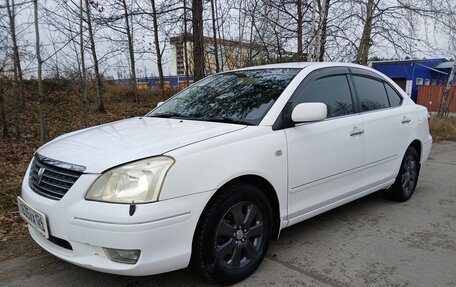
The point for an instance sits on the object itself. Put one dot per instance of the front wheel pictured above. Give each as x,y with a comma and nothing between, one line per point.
404,186
233,234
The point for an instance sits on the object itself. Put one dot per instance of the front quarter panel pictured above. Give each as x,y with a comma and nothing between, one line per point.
210,164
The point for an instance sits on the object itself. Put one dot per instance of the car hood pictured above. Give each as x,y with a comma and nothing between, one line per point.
103,147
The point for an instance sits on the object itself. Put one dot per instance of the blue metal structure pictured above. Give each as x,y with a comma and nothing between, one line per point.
170,81
410,74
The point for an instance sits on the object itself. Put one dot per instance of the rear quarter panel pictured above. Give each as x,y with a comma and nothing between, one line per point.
422,132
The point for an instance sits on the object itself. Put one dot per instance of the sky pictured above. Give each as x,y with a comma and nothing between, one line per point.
117,64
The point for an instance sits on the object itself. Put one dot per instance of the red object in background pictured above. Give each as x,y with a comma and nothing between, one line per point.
429,96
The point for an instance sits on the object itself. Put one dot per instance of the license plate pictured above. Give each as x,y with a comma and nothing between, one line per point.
33,217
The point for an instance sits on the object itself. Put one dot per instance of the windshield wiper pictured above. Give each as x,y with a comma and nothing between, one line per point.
197,118
225,120
167,115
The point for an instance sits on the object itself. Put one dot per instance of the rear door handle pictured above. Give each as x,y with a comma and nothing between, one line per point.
405,120
356,132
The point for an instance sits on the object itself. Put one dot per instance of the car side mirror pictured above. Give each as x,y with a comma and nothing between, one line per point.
159,104
309,112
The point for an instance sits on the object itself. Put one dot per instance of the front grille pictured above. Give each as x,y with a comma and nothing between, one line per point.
52,178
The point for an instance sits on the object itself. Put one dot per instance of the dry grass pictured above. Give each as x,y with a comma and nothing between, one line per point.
63,113
443,128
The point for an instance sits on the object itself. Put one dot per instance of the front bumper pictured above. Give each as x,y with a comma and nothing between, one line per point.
163,230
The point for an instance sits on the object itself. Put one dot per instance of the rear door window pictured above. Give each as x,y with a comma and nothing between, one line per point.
394,98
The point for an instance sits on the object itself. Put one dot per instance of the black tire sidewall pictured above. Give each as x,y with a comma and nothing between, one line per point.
224,202
397,192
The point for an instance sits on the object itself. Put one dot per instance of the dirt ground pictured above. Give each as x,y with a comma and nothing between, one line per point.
369,242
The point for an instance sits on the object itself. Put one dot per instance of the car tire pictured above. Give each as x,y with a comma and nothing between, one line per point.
233,234
407,178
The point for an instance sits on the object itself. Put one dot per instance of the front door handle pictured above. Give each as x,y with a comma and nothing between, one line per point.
356,132
405,120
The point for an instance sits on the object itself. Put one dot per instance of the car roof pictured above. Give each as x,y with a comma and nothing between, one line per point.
296,65
302,65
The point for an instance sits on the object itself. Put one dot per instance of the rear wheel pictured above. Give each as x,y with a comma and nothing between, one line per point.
405,184
233,234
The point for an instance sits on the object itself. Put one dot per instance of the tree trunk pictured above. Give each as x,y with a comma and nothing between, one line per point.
214,31
98,86
365,43
323,27
198,40
131,51
83,67
241,31
313,33
446,93
157,45
219,33
185,43
40,70
252,21
299,30
17,57
18,100
2,110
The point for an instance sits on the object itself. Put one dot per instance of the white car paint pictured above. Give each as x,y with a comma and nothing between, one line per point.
130,139
312,168
340,163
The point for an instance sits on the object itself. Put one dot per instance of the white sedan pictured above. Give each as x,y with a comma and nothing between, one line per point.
210,176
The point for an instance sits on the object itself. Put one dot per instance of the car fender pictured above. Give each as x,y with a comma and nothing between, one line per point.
208,165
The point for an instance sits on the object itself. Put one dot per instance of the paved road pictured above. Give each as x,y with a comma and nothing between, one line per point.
369,242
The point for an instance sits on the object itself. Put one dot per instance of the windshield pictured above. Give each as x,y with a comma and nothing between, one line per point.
242,97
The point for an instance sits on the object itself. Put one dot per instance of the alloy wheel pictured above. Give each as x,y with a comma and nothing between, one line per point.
239,235
409,174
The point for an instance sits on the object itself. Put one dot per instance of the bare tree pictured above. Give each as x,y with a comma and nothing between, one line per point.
99,84
313,33
446,93
40,72
3,80
282,30
18,85
85,96
198,40
2,110
393,26
299,53
66,19
3,83
279,26
322,30
366,41
131,49
157,43
185,43
214,37
448,22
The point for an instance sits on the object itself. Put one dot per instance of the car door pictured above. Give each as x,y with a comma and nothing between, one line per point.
325,158
387,128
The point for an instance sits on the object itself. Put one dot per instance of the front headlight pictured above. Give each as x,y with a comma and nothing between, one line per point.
139,181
